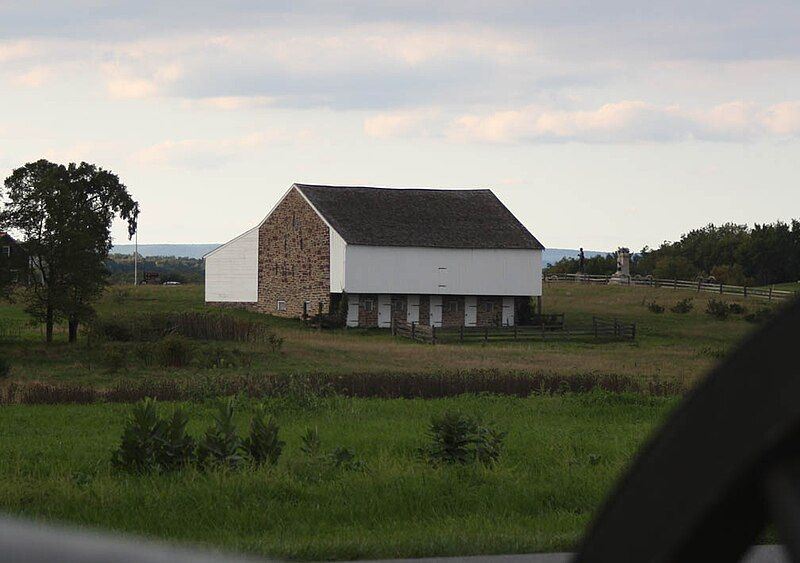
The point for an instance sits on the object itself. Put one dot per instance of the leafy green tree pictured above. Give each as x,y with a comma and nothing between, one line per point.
64,214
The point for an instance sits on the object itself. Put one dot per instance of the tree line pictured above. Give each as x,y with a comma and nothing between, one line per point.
169,268
731,253
63,216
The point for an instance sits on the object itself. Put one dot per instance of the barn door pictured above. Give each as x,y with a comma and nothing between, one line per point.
412,309
470,310
352,310
384,311
508,311
435,303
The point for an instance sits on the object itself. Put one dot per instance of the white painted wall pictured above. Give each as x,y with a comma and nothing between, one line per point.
232,270
338,249
387,269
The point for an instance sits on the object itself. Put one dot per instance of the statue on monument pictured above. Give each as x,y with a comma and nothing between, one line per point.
623,273
581,262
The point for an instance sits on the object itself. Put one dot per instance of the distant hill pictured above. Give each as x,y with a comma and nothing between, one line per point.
551,255
177,250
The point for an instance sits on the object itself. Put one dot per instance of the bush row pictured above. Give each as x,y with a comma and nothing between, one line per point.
152,327
307,389
152,443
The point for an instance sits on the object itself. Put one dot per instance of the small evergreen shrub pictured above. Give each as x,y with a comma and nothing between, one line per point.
654,307
151,443
221,444
263,445
459,439
717,309
683,306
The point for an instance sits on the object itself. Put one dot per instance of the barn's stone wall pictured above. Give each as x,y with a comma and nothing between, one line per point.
293,259
490,311
424,310
452,310
367,318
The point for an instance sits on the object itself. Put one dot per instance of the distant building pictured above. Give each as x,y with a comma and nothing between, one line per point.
13,261
436,257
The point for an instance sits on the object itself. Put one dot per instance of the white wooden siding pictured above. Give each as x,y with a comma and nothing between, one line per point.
431,271
338,248
232,270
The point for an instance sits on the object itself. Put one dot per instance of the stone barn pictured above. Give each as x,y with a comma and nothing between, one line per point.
435,257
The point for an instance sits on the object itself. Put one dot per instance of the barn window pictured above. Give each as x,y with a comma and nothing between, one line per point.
281,305
368,305
452,306
488,307
295,221
301,243
400,305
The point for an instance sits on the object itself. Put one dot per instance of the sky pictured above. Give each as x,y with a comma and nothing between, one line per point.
598,123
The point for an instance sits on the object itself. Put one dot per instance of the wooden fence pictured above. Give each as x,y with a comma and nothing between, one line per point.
10,329
768,293
600,329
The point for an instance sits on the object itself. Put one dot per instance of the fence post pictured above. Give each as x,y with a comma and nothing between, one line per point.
413,330
698,285
770,293
515,332
461,333
720,288
486,334
433,334
633,331
745,291
675,286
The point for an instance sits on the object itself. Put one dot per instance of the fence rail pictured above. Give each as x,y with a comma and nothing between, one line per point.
768,293
599,329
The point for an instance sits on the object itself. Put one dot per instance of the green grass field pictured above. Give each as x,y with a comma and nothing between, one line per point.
562,455
563,452
669,345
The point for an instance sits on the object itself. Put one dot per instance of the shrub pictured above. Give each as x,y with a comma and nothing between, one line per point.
263,444
736,309
221,444
5,368
762,315
275,342
346,460
717,309
683,306
654,307
175,351
150,443
311,443
460,439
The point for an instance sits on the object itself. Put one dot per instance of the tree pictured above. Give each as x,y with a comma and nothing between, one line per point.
64,214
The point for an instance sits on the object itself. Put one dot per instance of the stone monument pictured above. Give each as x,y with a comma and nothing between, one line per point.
623,273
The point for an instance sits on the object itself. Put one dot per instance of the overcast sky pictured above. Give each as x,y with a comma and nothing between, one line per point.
599,124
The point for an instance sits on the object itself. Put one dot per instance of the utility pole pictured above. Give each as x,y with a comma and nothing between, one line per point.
136,259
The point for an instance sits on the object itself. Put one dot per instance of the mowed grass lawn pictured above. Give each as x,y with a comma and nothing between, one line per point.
675,346
562,455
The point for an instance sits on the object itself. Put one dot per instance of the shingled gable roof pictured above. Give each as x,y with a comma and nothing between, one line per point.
419,217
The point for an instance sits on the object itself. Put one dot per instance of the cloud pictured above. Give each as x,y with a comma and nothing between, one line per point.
211,153
399,124
32,78
630,121
15,50
122,82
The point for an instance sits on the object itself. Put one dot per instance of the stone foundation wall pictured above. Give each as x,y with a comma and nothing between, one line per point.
452,310
490,311
367,318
